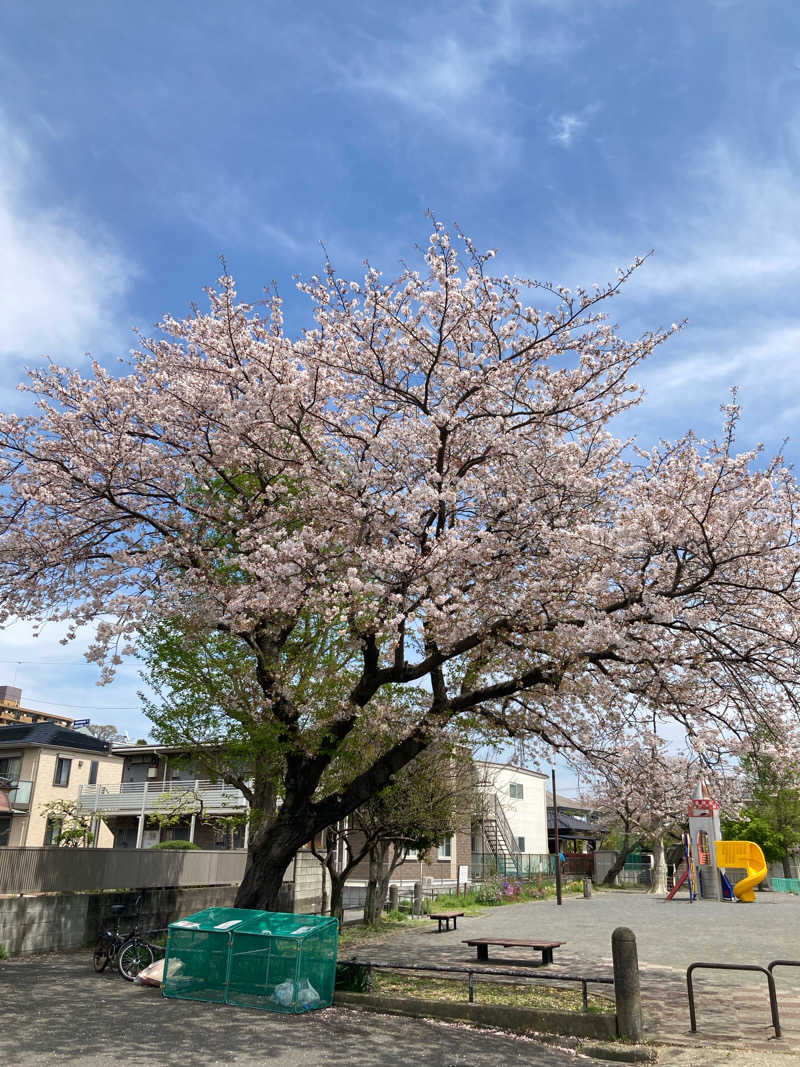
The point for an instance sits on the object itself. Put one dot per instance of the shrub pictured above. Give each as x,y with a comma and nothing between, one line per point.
182,845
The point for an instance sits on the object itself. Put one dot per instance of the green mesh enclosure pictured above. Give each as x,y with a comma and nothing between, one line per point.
256,959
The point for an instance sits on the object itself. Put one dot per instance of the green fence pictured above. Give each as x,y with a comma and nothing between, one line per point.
786,885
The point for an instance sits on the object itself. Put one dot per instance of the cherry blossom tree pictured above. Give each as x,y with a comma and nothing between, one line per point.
430,471
647,785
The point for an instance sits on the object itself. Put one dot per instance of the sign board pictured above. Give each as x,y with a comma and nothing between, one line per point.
463,875
80,722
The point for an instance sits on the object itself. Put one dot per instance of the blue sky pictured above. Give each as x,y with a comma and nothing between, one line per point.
141,142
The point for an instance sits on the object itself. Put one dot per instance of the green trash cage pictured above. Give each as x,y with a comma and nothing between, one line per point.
255,959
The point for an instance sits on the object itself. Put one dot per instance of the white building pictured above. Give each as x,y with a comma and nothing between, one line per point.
514,805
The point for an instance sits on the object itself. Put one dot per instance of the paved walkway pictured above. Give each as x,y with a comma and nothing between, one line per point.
732,1008
56,1010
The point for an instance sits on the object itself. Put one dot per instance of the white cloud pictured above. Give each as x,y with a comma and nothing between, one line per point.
64,279
458,80
565,128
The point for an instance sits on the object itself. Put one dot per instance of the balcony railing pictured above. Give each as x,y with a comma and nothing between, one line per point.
142,798
20,795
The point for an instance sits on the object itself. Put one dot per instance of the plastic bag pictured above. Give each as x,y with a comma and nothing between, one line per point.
307,996
284,993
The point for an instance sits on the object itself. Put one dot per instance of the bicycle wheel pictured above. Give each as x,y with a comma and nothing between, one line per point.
101,955
133,957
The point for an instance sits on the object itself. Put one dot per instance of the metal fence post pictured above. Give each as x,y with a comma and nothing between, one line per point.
627,993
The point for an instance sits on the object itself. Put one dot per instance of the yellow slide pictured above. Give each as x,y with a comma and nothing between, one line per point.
743,854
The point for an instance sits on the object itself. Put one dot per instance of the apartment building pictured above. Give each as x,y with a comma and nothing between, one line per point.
44,762
157,780
12,713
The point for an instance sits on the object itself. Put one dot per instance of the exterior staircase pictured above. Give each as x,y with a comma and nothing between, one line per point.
497,835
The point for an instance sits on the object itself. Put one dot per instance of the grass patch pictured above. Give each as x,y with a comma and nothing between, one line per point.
509,994
362,933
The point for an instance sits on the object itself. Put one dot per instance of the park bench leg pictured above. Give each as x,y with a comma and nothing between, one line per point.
455,923
547,956
483,953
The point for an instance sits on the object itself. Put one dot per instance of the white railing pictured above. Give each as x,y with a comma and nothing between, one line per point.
20,795
141,798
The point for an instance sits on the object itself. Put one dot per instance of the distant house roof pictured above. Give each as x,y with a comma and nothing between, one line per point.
510,767
566,802
49,735
569,826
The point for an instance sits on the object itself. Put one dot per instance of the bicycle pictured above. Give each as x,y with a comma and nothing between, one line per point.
130,952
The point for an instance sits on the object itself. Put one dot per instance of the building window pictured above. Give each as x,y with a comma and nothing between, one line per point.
52,831
93,772
521,844
515,790
10,767
5,829
446,848
63,767
412,854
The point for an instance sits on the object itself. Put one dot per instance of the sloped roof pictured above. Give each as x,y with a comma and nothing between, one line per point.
52,736
572,827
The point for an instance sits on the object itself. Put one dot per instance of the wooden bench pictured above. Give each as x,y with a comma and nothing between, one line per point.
545,947
445,917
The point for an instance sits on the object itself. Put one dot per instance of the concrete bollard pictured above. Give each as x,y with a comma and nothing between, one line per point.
627,994
394,897
418,898
587,888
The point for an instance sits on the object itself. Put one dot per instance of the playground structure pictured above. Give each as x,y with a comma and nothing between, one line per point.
706,857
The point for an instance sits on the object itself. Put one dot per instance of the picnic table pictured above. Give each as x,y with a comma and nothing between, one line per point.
545,947
445,917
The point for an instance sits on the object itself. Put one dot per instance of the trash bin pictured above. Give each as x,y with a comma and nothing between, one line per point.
256,959
283,962
198,954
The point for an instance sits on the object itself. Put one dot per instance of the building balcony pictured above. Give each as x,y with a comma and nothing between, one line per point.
19,796
145,798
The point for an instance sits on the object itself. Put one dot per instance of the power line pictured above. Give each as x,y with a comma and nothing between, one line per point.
82,707
48,662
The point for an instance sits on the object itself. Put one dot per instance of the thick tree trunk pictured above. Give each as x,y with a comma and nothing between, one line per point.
659,879
628,845
269,856
787,865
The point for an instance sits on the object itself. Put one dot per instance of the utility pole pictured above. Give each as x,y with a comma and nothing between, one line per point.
557,842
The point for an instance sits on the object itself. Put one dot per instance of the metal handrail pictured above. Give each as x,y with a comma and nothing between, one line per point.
496,815
472,971
773,999
782,963
509,840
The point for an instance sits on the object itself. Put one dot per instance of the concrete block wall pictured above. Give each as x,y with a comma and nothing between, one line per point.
52,923
307,884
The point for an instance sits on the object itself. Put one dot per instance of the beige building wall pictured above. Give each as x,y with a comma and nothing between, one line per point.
39,766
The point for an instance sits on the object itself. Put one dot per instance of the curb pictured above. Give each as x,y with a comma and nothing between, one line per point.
620,1053
595,1027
